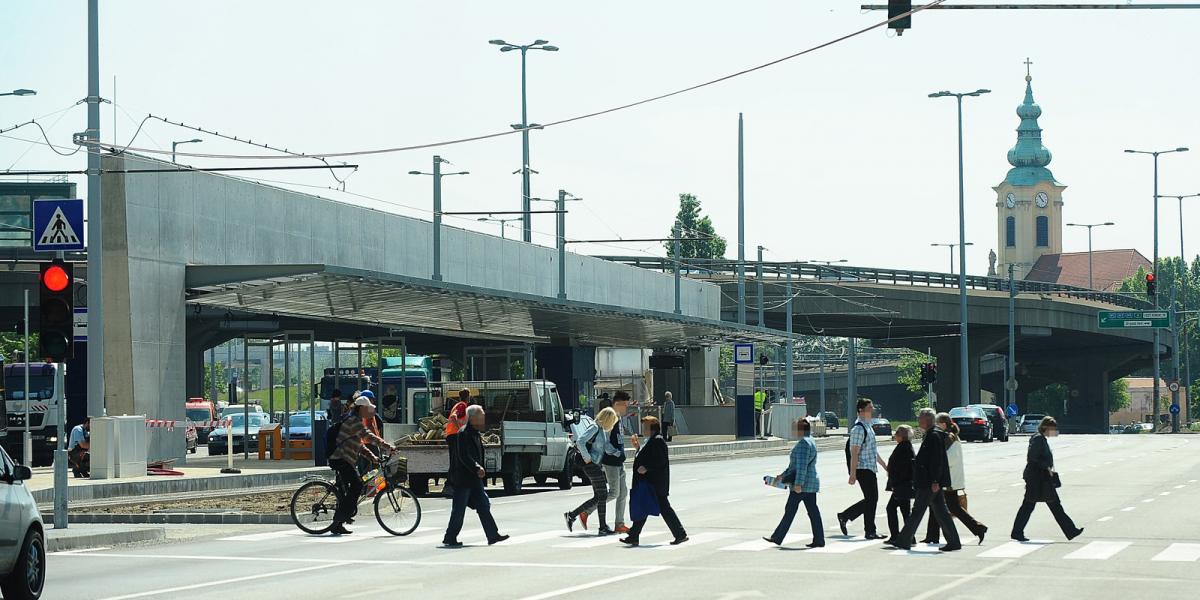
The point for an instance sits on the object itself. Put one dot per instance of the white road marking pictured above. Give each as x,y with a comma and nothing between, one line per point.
939,591
1014,549
1128,508
1018,484
760,545
78,551
991,491
270,535
593,541
1103,519
1098,551
1179,553
1148,500
534,537
435,539
1165,494
695,540
919,550
731,501
845,546
689,480
1181,486
195,586
598,583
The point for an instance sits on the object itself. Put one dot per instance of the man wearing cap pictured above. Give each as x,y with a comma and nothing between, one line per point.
348,450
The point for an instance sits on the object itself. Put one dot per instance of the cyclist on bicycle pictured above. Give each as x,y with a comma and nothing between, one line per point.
350,446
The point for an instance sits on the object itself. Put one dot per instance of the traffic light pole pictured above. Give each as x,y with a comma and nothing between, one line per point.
27,439
61,493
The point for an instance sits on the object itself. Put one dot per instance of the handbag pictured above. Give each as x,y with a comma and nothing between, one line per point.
962,500
643,502
1055,480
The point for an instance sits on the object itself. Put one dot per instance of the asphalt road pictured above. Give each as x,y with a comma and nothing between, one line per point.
1136,495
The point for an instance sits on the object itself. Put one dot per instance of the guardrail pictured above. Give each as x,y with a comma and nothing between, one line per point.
700,268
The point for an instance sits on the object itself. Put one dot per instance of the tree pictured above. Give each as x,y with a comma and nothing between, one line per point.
909,375
1118,395
12,344
690,223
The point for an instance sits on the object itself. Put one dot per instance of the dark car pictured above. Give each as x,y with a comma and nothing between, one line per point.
882,427
972,424
831,419
999,421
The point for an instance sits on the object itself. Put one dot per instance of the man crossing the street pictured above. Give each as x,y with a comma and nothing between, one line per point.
864,462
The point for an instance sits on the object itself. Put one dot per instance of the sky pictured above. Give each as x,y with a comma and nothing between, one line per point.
846,156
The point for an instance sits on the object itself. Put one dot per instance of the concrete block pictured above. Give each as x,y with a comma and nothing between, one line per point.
142,228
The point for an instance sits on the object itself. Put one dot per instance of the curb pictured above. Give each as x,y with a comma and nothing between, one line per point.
182,518
122,489
60,543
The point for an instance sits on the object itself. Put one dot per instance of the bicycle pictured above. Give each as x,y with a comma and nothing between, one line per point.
396,508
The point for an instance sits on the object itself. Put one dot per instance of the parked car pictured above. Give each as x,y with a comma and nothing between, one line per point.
1029,423
200,410
299,425
190,437
831,419
972,423
22,542
882,427
218,440
238,409
999,421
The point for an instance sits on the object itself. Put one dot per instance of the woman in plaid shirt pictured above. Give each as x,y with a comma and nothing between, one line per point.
802,475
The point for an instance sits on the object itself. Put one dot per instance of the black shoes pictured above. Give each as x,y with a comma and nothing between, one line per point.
339,529
981,534
451,544
948,548
873,536
603,531
630,541
498,539
769,540
1078,532
930,541
679,540
1021,538
842,524
570,521
815,545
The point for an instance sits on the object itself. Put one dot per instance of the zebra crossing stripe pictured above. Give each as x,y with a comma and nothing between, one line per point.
260,537
697,539
845,546
594,541
1015,549
1098,551
1179,553
760,545
534,537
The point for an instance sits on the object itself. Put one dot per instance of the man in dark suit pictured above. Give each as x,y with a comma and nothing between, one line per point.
467,474
653,466
931,473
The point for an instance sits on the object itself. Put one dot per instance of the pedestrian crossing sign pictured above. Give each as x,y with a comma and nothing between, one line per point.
58,225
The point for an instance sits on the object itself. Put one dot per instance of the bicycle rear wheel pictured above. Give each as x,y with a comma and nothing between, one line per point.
313,507
397,511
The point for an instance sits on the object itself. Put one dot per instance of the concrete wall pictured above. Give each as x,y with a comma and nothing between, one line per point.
156,224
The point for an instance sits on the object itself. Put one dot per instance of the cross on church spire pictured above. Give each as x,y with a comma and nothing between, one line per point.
1028,63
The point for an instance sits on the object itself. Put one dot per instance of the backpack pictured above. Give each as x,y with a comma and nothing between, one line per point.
849,467
582,425
331,437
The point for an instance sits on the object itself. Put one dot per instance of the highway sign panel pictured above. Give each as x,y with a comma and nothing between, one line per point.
57,225
1138,319
743,354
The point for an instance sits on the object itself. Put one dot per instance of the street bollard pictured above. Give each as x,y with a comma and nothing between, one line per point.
229,448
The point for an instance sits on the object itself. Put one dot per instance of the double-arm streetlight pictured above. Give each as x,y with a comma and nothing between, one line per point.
1183,277
1154,268
503,223
437,175
524,126
179,142
963,356
952,247
1089,226
828,262
20,92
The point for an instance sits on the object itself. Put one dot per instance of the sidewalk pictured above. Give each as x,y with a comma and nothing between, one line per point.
78,537
200,474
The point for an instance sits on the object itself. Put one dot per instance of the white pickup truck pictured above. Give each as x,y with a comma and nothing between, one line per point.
527,415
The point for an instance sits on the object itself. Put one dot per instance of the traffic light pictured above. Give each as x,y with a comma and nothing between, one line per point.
56,311
928,373
897,8
1151,285
763,360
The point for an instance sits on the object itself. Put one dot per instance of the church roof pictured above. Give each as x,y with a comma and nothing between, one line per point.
1029,157
1109,268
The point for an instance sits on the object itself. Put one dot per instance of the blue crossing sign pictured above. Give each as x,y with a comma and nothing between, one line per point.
1174,409
58,225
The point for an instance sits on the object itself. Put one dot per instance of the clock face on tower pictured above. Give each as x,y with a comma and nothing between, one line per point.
1042,199
1011,201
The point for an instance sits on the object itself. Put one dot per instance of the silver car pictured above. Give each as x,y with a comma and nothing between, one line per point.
1029,423
22,542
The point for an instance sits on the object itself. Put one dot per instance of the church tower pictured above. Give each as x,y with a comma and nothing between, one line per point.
1029,200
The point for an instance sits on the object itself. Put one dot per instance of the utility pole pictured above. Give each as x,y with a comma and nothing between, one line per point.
437,175
759,275
95,214
1010,383
675,252
821,373
741,266
851,381
789,366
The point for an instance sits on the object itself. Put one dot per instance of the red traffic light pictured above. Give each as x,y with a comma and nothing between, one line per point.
56,279
1149,277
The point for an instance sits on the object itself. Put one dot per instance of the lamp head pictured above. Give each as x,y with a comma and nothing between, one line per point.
498,42
414,172
24,92
550,48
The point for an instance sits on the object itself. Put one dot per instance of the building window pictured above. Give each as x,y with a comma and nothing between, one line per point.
1043,232
1010,232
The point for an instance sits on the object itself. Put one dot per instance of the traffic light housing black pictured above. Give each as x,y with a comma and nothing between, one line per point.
1151,285
763,360
56,311
897,8
928,373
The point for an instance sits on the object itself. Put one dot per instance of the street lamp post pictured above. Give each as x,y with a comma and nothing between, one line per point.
759,273
963,355
503,223
952,247
437,175
1187,365
1154,268
20,92
177,143
524,126
1010,383
1092,286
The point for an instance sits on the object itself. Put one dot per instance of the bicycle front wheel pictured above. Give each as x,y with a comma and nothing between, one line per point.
397,511
313,507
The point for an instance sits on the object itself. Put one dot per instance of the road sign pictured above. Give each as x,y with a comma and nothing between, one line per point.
1174,409
1011,385
80,324
1173,386
743,354
1136,319
58,225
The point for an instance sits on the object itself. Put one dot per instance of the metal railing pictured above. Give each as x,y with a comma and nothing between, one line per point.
714,268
